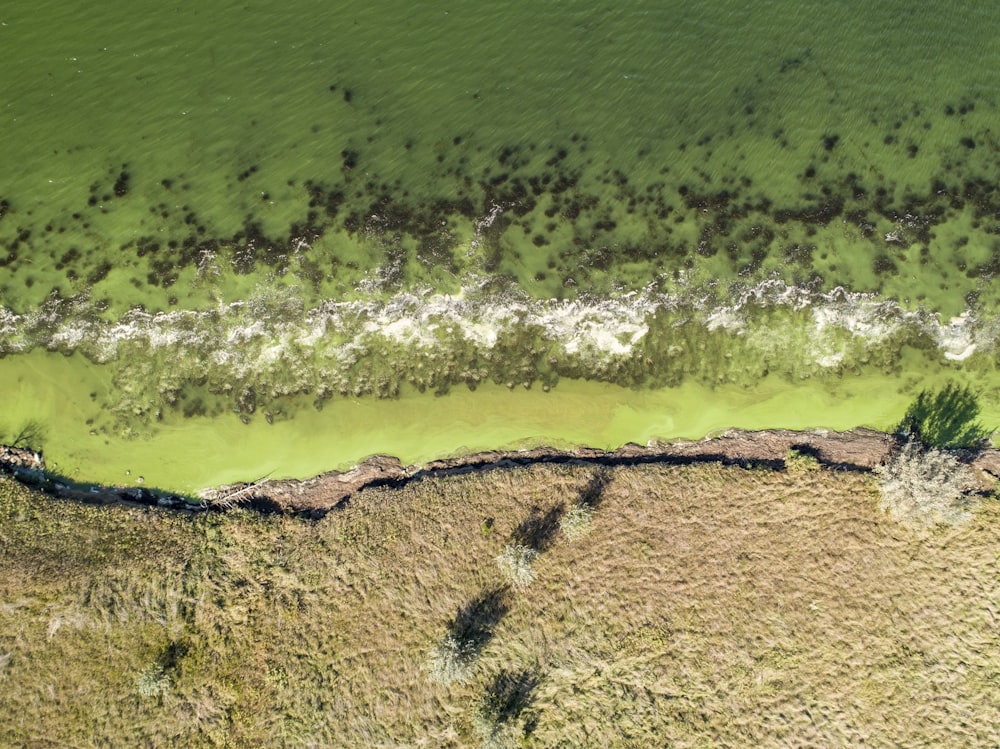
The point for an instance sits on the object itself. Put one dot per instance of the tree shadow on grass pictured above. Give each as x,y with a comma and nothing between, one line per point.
31,436
593,492
538,530
945,419
476,621
508,696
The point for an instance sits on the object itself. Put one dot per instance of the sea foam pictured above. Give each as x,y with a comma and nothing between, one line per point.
272,345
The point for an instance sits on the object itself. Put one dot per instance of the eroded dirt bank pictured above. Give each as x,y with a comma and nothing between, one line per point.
857,449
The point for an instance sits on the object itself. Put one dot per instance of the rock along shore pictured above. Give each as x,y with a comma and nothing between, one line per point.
856,449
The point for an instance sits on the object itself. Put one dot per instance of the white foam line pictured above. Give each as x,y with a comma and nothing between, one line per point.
262,330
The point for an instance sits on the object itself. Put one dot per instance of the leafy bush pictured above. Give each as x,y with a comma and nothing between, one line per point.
923,487
575,523
152,682
515,564
798,462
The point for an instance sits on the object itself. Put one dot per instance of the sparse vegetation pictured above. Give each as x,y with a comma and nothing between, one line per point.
717,606
515,563
923,487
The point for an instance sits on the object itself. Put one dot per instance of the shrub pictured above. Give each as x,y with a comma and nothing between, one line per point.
496,735
576,522
797,462
455,655
152,682
515,564
923,487
451,660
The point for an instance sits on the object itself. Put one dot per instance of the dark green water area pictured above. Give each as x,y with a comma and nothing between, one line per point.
240,239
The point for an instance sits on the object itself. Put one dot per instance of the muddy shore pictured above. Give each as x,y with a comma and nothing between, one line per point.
855,450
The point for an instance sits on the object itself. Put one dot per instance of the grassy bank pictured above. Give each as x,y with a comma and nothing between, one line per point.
705,606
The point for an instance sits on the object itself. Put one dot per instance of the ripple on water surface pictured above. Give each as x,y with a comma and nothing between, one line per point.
254,213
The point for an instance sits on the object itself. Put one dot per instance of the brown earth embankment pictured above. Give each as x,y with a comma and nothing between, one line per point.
856,449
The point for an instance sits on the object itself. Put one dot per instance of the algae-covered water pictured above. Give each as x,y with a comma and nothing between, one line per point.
250,239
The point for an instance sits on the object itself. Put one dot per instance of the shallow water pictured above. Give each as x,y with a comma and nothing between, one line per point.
195,453
246,213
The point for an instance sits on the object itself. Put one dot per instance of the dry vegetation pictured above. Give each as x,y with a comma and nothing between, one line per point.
707,606
923,487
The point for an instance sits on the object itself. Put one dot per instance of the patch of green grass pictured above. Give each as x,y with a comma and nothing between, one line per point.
797,462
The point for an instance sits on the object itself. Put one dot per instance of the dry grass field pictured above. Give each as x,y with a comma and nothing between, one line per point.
702,606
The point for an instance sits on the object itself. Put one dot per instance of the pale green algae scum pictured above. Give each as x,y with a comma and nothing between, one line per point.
612,223
199,453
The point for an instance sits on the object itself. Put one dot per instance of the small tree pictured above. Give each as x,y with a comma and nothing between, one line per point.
923,487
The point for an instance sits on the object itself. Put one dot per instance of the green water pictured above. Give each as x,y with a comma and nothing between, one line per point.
278,215
187,455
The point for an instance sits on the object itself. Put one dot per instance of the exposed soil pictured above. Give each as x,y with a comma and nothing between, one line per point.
859,449
855,450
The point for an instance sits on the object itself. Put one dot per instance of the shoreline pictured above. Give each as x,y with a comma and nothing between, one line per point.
859,449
